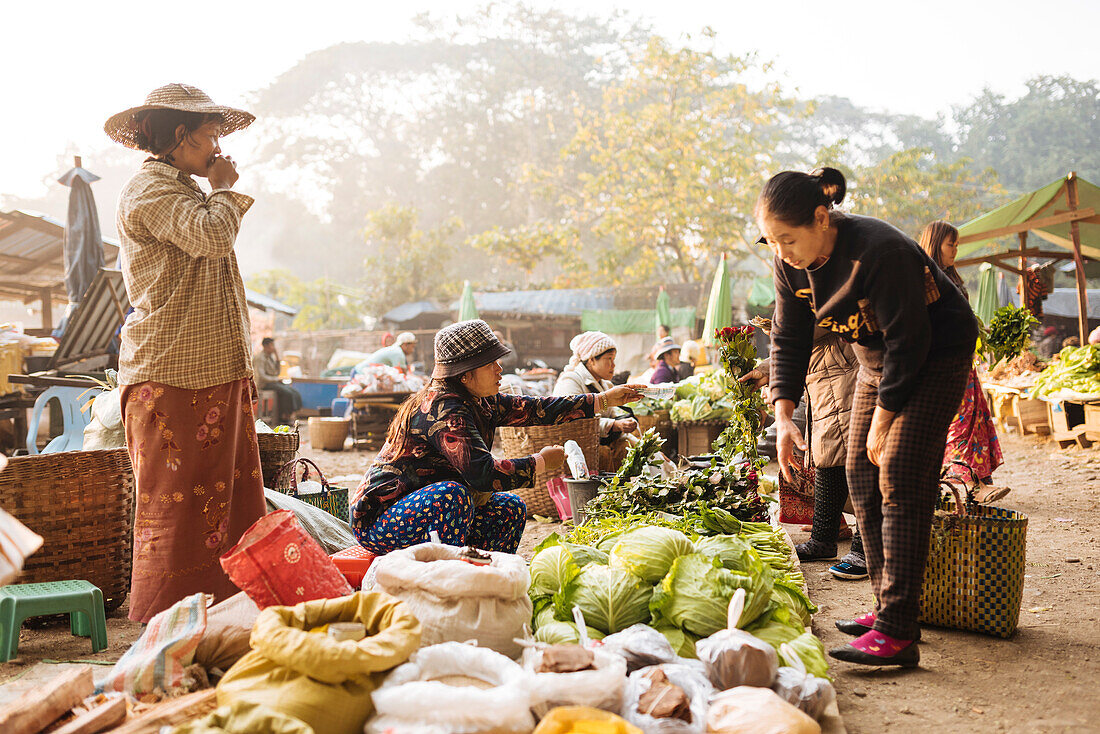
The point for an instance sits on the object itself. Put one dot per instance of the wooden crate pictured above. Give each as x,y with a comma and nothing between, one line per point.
1067,423
1030,416
1092,421
696,437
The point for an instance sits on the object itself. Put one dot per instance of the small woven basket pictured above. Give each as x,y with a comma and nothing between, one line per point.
276,449
328,434
81,503
517,442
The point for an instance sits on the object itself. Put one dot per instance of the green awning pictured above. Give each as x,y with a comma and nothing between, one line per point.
634,321
1041,204
762,292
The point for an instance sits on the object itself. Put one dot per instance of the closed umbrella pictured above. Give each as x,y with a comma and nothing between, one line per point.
987,301
467,309
664,309
720,305
83,238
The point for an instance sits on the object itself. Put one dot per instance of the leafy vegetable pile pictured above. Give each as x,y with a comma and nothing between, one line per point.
1077,369
678,582
1009,333
705,397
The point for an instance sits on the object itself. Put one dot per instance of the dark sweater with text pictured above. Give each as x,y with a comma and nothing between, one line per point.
879,290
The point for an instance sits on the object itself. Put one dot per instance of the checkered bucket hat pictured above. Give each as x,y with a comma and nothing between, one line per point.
465,346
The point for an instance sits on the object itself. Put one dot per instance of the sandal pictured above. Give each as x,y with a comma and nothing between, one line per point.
990,493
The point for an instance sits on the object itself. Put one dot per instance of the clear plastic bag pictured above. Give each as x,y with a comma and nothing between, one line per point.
601,688
794,685
748,710
641,646
694,683
574,457
456,688
734,657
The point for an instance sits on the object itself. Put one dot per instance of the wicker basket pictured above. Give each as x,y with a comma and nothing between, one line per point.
277,449
81,503
328,434
517,442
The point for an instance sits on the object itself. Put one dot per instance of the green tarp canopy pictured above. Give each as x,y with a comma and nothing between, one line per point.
1044,212
634,321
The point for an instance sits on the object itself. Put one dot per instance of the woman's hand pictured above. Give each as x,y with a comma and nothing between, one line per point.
621,395
787,436
876,436
553,457
222,173
626,425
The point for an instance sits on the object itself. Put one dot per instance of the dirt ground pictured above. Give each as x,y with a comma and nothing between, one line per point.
1044,679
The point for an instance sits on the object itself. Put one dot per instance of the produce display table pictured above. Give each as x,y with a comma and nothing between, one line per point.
1074,420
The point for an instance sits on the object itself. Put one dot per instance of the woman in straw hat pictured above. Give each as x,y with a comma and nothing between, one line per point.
436,472
590,370
185,360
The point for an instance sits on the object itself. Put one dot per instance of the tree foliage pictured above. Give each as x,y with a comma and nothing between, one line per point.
407,263
321,303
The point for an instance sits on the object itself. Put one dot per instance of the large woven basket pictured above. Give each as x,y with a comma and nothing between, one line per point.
81,503
276,449
517,442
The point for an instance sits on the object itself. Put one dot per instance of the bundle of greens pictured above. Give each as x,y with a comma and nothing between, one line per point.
638,457
1009,333
1076,369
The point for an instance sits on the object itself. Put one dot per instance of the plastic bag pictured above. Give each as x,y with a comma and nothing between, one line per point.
456,601
574,457
734,657
601,688
228,628
326,683
641,646
695,685
584,720
748,710
17,542
454,688
798,688
105,429
277,563
165,648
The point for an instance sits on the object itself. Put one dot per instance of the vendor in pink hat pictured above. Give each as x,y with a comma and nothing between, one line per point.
590,370
436,470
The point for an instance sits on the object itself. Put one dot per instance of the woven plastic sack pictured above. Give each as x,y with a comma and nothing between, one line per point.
453,688
580,719
165,648
244,718
310,676
228,629
747,710
277,563
456,601
601,688
690,678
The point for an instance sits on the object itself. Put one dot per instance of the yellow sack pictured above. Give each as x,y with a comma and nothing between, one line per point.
313,678
583,720
244,718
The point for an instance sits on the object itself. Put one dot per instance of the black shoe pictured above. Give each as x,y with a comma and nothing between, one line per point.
815,550
907,658
855,629
848,571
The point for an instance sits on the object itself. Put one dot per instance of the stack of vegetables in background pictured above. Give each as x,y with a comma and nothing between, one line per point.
1009,334
1077,369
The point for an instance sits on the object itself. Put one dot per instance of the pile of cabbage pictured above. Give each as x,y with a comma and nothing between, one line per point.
679,585
705,397
1077,369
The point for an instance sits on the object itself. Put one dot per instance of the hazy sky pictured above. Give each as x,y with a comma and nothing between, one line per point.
67,66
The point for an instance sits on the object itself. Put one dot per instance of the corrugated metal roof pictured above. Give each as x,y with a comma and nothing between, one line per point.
550,303
32,255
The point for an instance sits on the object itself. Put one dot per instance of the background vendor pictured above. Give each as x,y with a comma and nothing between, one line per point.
667,354
590,370
399,354
436,470
266,367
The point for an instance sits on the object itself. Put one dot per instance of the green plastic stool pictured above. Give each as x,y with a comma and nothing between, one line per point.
81,600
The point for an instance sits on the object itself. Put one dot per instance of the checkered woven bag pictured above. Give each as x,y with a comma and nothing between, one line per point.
974,579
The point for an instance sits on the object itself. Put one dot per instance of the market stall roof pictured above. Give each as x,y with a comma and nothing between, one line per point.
409,311
264,303
1045,212
563,303
32,261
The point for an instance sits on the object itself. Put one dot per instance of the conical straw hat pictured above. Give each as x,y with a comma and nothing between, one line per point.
122,127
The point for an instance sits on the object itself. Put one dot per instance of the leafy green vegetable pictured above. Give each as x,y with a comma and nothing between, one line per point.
1077,369
564,633
1009,333
791,596
551,569
648,552
732,552
683,643
696,592
544,612
638,457
611,599
812,653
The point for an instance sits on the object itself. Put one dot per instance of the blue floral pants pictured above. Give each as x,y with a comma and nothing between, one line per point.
448,508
